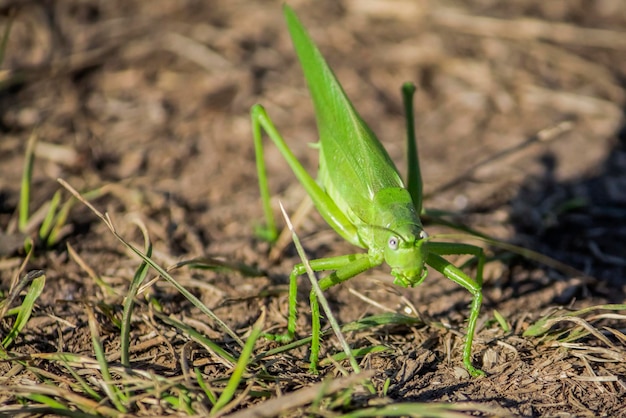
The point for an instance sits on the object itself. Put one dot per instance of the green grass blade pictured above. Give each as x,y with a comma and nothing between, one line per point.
82,383
46,224
501,321
27,177
356,353
187,294
240,367
387,318
38,279
205,388
46,400
5,36
59,221
109,386
129,303
198,337
284,348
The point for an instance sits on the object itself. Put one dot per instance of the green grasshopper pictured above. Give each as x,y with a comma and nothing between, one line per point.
360,194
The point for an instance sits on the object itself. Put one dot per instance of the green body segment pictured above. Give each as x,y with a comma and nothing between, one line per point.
360,194
353,165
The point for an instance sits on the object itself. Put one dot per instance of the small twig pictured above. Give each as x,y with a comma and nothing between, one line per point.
370,301
543,136
196,52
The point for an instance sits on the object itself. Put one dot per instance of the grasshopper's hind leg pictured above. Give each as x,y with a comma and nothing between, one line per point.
324,204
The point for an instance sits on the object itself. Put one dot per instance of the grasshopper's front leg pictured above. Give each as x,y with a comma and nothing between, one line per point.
436,250
346,267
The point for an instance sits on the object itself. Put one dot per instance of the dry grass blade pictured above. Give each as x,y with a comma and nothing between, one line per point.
240,368
544,324
320,294
87,406
529,30
27,176
516,249
219,263
282,404
196,52
90,271
431,410
506,156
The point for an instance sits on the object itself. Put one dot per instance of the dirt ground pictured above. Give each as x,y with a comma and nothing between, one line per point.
520,123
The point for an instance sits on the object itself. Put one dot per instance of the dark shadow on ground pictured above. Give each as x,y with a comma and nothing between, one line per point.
579,222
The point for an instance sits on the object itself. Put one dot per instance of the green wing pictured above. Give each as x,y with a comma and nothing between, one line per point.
354,166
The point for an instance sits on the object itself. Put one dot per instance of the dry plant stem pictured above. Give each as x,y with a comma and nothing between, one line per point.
282,404
320,294
17,284
284,239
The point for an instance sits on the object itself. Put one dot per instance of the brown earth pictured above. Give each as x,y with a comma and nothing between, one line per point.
520,125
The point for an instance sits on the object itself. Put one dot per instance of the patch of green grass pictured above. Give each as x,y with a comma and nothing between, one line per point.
51,216
33,283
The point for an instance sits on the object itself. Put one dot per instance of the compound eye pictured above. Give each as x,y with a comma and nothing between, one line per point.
393,243
423,235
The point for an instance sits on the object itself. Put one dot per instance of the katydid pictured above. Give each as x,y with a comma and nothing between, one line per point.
360,194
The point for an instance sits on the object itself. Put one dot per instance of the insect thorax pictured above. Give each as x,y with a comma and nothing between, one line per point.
391,213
